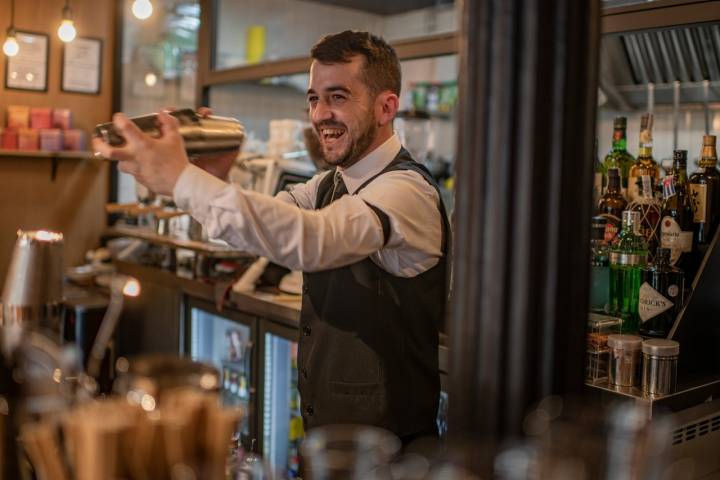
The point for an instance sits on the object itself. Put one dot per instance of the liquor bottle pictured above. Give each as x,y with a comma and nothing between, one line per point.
661,296
650,210
598,177
705,193
628,258
611,205
619,157
599,267
676,226
645,164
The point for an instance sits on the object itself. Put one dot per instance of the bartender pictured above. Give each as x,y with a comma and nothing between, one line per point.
371,236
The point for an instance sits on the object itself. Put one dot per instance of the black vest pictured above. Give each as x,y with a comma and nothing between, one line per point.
368,350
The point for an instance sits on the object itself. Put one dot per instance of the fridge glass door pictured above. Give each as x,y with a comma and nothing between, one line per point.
226,344
282,423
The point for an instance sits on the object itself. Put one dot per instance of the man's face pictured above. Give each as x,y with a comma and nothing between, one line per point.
342,111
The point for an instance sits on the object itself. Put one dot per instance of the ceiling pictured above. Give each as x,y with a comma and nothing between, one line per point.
385,7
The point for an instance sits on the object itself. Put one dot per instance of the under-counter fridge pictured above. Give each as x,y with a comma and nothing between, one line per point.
227,340
278,398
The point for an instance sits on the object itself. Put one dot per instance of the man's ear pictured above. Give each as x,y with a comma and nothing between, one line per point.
386,107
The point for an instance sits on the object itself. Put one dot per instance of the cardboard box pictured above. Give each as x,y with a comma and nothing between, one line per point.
74,140
40,118
51,140
9,139
18,116
28,139
62,118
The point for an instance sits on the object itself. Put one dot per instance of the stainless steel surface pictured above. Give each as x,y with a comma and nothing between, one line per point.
624,359
202,135
661,347
32,294
688,54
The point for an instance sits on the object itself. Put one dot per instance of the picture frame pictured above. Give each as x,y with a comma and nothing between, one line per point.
82,66
28,70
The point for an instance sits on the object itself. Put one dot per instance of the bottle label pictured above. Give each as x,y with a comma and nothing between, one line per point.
612,227
698,195
651,303
617,258
647,192
668,187
674,238
633,190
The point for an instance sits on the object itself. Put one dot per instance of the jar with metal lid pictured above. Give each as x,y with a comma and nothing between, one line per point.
624,359
660,359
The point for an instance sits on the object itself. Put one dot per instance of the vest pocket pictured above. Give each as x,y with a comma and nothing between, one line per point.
352,361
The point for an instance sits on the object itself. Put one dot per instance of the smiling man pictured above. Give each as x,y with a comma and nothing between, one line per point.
371,236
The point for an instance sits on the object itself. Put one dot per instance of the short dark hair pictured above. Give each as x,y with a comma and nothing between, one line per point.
382,67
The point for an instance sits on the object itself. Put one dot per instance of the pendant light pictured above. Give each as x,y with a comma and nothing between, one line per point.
11,47
66,31
142,9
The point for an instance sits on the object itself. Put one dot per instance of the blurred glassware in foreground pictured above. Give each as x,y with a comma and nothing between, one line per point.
32,295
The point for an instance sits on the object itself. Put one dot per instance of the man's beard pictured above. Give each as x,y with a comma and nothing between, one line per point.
357,147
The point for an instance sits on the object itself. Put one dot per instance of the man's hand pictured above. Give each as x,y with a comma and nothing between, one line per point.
155,162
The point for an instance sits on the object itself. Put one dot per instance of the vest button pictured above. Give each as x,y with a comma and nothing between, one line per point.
309,410
307,330
304,373
305,289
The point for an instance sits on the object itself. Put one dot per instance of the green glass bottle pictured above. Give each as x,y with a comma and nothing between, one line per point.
628,258
619,157
661,296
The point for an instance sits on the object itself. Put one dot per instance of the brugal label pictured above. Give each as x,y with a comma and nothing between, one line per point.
651,303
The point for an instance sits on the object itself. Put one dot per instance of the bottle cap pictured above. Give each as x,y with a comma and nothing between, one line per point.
709,140
680,156
660,347
630,217
626,342
662,254
620,122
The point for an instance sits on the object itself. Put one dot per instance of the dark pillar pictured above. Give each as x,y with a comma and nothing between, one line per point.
523,208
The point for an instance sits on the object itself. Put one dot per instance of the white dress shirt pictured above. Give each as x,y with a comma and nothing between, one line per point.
289,231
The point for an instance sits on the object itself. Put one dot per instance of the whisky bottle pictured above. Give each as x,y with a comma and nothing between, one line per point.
628,258
611,205
676,226
661,296
645,164
599,267
650,210
619,157
705,193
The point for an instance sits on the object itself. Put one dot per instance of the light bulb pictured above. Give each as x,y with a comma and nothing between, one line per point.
11,47
150,79
142,9
66,31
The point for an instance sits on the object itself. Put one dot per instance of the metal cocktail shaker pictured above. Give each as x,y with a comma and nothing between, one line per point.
202,135
32,296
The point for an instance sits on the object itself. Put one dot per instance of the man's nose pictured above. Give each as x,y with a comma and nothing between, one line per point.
321,112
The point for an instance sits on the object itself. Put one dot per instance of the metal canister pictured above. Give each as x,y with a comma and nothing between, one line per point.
624,359
202,134
32,295
660,359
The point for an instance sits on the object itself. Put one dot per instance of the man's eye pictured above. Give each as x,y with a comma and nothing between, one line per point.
312,99
338,98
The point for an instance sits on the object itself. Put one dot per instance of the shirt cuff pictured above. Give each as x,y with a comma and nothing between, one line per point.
195,189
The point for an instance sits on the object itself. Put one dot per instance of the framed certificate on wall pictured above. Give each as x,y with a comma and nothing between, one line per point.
28,70
81,66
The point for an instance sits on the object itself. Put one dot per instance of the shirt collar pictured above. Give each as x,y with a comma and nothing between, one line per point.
371,164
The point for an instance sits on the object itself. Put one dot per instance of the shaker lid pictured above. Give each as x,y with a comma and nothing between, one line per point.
661,347
627,342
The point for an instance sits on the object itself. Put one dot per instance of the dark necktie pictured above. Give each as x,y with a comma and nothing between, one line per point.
339,188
